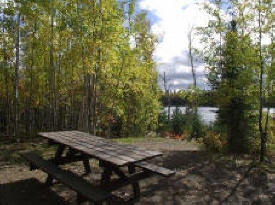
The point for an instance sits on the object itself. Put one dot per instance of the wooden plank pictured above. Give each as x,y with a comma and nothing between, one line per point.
70,179
155,169
129,148
128,154
93,153
103,140
68,159
99,147
96,153
124,155
113,148
132,148
96,147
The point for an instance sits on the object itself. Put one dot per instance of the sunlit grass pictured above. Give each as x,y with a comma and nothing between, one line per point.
10,152
132,140
271,140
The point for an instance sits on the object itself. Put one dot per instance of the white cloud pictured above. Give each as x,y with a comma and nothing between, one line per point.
176,18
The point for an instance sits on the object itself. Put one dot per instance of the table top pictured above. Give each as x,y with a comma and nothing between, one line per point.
101,148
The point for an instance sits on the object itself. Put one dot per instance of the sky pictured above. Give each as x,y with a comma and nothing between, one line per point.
171,22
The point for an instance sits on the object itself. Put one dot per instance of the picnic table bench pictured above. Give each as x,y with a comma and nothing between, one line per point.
76,146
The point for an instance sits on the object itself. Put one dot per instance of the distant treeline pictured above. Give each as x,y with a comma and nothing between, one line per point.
206,98
174,99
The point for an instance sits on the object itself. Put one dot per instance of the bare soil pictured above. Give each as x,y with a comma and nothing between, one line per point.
201,178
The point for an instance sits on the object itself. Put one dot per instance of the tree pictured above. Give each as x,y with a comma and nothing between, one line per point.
263,8
167,91
234,99
77,67
16,74
232,66
190,48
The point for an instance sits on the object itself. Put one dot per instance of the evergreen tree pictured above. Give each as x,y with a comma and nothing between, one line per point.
236,80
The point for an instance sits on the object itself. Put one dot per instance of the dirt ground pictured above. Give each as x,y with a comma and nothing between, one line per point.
201,178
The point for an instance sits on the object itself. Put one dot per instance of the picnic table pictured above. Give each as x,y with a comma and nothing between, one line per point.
76,146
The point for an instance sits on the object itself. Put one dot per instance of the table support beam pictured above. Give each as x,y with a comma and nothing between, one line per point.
119,183
57,156
86,163
107,173
135,185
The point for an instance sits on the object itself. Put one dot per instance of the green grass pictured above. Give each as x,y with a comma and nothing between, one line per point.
132,140
272,147
10,152
271,140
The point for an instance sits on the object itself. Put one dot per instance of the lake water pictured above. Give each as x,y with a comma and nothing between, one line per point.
209,114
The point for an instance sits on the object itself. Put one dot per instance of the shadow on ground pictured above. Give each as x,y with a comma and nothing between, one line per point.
205,179
201,178
28,192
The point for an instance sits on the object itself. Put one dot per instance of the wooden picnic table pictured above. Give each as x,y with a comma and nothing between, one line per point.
112,158
101,148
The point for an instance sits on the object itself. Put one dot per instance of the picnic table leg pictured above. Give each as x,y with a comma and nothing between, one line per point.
57,156
135,185
86,164
85,159
107,173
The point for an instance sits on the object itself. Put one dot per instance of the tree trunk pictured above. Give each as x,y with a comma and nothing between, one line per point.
52,74
16,78
6,77
195,107
191,59
262,134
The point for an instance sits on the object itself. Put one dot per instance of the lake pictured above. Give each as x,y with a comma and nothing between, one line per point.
208,114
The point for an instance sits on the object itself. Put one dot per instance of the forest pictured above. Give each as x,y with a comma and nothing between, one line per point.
76,65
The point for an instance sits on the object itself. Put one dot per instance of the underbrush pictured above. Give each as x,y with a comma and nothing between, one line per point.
189,126
271,136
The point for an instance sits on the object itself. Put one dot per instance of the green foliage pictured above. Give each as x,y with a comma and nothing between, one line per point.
187,124
234,62
235,101
198,128
178,120
163,123
80,69
215,141
192,96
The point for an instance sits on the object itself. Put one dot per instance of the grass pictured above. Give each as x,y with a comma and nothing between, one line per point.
271,144
10,152
132,140
272,147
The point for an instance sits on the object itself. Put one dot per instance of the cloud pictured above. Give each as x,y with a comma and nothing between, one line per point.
175,18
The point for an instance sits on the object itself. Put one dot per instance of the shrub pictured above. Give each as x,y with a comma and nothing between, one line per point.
178,121
198,129
163,123
188,125
215,141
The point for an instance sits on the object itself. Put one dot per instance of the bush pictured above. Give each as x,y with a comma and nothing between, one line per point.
178,121
163,123
214,141
188,124
198,129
